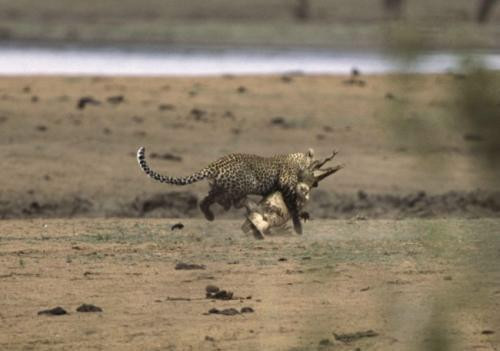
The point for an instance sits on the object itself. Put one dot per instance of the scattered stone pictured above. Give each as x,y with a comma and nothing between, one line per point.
209,338
226,311
87,100
115,100
241,89
349,337
211,289
220,295
365,289
56,311
197,113
247,310
282,259
279,121
177,226
487,332
188,266
41,128
88,308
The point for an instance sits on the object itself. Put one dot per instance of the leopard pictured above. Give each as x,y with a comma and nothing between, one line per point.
235,176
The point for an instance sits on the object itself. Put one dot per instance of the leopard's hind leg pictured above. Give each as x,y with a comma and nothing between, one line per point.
214,195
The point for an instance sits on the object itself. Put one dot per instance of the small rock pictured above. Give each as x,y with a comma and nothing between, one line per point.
188,266
247,310
212,289
241,89
56,311
88,308
279,121
177,226
390,96
220,295
487,332
282,259
34,99
209,338
86,100
226,311
41,128
197,113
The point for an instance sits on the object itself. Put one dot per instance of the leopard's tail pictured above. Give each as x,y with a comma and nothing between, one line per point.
195,177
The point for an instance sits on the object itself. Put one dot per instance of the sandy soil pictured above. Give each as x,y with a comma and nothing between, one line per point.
70,161
415,284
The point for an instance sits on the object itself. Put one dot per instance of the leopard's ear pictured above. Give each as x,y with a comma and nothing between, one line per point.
310,153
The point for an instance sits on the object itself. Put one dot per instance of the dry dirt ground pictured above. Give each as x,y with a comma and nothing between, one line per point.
415,284
405,150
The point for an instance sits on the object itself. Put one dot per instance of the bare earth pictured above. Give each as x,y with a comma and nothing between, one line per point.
415,284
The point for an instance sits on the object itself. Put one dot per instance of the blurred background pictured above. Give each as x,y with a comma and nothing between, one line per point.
458,24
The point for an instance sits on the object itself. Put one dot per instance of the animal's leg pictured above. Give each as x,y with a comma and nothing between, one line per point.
208,201
305,216
225,203
290,199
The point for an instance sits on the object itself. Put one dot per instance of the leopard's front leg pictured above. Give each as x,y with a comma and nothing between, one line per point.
290,198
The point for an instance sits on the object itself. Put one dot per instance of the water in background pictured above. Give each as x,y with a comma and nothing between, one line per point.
16,60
